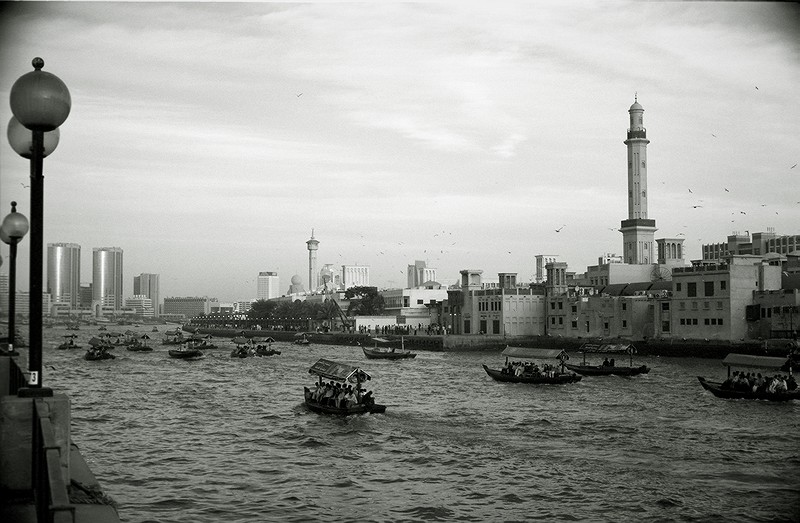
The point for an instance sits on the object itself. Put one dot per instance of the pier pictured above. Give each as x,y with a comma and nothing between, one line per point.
43,475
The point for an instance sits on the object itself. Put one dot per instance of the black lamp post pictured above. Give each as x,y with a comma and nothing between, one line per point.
40,101
14,227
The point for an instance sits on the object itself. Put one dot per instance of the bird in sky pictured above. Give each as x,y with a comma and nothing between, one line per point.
299,95
742,212
559,229
756,88
714,135
726,190
793,166
23,185
696,206
690,191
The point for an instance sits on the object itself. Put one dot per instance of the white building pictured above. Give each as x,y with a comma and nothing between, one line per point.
268,286
355,276
141,304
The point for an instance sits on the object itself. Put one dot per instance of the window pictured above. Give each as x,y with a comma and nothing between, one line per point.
624,306
719,321
483,327
709,288
664,305
574,309
683,321
496,326
466,326
419,302
707,321
723,285
560,305
664,326
694,321
719,305
713,321
678,287
624,324
691,289
574,324
552,321
552,305
560,320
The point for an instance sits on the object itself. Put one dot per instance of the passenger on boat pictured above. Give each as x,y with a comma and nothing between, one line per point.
606,363
611,363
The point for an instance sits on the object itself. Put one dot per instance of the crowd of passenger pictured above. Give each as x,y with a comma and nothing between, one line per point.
526,369
755,382
403,330
333,394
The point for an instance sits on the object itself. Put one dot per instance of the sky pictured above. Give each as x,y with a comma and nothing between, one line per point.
208,140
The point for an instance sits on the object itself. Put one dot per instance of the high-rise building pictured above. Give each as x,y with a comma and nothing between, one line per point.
107,277
148,285
190,306
637,231
64,273
313,280
268,286
141,304
355,276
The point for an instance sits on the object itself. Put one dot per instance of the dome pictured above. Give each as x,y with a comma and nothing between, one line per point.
636,107
296,280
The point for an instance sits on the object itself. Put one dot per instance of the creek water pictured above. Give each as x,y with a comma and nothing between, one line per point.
229,439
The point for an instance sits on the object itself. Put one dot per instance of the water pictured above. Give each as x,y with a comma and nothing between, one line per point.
224,439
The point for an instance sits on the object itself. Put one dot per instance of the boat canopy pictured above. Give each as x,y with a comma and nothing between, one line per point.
302,334
760,362
338,371
268,339
97,342
381,340
240,340
627,348
539,354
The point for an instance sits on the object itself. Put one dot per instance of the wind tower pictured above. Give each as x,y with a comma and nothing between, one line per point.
637,231
313,277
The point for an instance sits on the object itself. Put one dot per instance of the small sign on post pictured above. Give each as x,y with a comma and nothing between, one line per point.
34,378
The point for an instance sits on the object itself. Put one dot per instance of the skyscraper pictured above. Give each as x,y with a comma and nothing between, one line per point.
637,231
268,284
147,285
64,273
107,277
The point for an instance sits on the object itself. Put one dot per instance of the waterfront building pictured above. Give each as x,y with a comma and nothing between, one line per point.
268,285
189,307
710,301
107,278
23,303
86,295
420,273
296,286
416,306
64,273
759,244
141,305
147,284
355,276
313,245
242,307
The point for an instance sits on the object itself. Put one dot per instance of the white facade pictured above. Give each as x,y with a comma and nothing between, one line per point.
268,286
64,273
148,285
541,261
141,304
107,277
355,276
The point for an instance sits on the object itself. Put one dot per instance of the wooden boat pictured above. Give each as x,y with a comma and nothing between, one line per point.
552,376
608,368
341,373
173,338
155,329
385,352
98,353
140,344
187,351
302,338
725,390
69,343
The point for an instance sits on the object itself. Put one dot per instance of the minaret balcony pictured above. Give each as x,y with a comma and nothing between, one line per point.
639,133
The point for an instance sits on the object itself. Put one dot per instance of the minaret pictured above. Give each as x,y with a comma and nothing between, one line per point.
637,231
312,244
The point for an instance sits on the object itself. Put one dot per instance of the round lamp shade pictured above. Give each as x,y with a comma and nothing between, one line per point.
15,226
21,139
40,100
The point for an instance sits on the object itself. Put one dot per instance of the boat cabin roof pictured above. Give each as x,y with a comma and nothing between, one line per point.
538,354
760,362
338,371
627,348
381,340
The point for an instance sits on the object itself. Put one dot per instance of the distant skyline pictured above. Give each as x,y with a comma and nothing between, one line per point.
207,140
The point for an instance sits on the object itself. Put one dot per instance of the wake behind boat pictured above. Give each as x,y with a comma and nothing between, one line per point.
387,352
754,386
338,396
527,372
608,368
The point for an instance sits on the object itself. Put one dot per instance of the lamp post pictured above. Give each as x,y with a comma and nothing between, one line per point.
14,227
40,101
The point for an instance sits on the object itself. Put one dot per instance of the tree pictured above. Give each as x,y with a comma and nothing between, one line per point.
364,301
262,310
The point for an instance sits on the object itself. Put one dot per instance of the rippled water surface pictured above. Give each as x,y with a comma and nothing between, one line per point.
224,439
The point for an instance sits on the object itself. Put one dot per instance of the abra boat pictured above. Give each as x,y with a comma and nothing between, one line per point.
98,352
187,351
139,344
387,353
69,343
608,368
173,337
726,390
344,374
531,373
302,338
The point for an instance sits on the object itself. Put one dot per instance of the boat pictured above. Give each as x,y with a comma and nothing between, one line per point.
727,389
248,347
69,343
98,350
530,373
608,368
341,373
139,344
173,337
187,351
382,351
155,329
302,338
264,347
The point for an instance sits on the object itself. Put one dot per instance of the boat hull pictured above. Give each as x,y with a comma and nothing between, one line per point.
510,378
97,357
327,409
599,370
715,388
191,354
377,354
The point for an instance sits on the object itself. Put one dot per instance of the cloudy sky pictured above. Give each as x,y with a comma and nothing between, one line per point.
207,140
